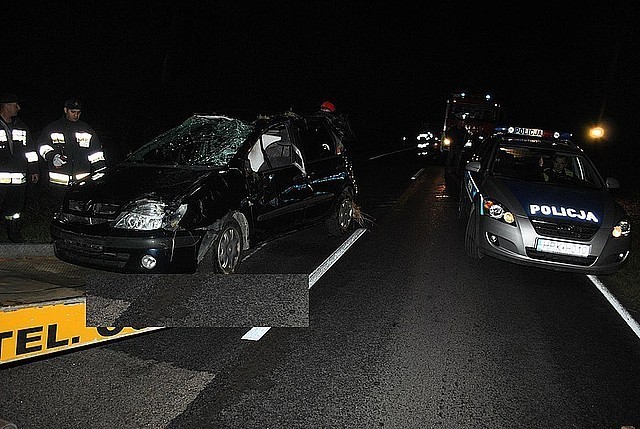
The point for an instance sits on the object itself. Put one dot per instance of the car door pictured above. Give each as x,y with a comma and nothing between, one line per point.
325,167
277,180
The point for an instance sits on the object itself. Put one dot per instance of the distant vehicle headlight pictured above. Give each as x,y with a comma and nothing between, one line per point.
148,215
621,229
496,210
446,142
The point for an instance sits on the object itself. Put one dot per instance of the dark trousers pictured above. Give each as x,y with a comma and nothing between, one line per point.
53,199
12,199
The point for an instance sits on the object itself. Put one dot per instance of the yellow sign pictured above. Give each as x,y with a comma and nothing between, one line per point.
43,328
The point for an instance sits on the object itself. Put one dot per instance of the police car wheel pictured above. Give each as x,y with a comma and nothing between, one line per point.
225,254
471,237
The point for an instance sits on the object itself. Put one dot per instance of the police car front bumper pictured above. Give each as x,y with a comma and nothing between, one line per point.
522,244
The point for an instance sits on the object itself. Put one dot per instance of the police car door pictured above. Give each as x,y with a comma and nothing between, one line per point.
278,183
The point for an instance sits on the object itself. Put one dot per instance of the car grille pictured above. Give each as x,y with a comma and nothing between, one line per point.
79,212
573,260
88,251
85,253
575,231
72,219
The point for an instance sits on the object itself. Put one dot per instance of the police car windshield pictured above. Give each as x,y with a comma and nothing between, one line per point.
545,166
200,141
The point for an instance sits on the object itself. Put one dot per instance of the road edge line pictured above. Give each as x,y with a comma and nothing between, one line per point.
626,316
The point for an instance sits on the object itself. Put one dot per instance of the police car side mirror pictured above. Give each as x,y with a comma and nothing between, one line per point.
473,166
612,183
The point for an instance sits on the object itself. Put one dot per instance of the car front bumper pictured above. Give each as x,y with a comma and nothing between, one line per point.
518,244
173,254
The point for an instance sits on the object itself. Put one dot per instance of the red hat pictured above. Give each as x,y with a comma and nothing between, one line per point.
327,105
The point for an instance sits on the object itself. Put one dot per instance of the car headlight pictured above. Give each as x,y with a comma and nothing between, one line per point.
496,210
148,215
621,229
446,142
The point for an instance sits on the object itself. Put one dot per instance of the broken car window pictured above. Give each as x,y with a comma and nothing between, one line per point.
200,141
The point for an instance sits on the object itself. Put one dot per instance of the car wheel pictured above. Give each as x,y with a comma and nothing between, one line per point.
341,219
225,254
471,237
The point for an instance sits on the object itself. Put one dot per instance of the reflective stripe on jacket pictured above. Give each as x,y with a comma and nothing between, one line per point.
78,143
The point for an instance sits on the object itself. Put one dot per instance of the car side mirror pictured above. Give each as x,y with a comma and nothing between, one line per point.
612,183
473,166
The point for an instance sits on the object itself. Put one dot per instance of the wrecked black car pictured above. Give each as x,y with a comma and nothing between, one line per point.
197,196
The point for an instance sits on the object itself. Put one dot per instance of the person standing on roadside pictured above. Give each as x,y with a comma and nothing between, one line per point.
18,164
457,135
71,149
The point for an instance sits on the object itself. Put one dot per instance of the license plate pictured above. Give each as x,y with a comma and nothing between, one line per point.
563,248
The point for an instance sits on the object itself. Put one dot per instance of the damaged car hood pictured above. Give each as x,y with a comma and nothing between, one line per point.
132,182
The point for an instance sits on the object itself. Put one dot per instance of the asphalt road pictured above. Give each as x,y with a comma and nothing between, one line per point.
404,331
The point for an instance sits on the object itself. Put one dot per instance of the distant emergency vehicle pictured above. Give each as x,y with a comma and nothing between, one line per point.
480,114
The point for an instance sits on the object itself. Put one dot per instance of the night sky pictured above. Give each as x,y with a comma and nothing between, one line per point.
143,67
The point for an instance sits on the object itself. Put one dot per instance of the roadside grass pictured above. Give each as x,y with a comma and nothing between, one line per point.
624,284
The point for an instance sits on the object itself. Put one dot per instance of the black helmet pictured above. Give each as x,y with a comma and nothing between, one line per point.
73,103
8,98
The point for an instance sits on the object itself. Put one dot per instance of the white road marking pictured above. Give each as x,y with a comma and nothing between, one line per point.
255,333
616,305
247,256
324,267
390,153
415,176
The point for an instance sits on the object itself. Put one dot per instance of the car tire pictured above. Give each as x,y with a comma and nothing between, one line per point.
225,254
341,219
471,237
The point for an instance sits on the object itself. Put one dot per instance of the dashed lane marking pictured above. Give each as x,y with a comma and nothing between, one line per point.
255,333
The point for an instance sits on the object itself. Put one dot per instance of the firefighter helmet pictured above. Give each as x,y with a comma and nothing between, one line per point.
328,106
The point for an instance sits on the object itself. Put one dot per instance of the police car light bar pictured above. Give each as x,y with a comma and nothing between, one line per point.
532,132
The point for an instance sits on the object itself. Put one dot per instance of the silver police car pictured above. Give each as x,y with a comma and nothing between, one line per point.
533,197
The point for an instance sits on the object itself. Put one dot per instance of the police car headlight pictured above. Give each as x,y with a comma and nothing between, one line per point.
149,215
495,210
621,229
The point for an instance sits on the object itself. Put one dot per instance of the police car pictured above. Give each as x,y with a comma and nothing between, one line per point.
533,197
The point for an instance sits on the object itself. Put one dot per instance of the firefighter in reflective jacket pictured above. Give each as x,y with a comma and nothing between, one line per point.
71,147
18,164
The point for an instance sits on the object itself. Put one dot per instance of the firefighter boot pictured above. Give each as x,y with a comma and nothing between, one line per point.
13,231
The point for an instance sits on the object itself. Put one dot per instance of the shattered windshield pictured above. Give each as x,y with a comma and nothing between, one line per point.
199,141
